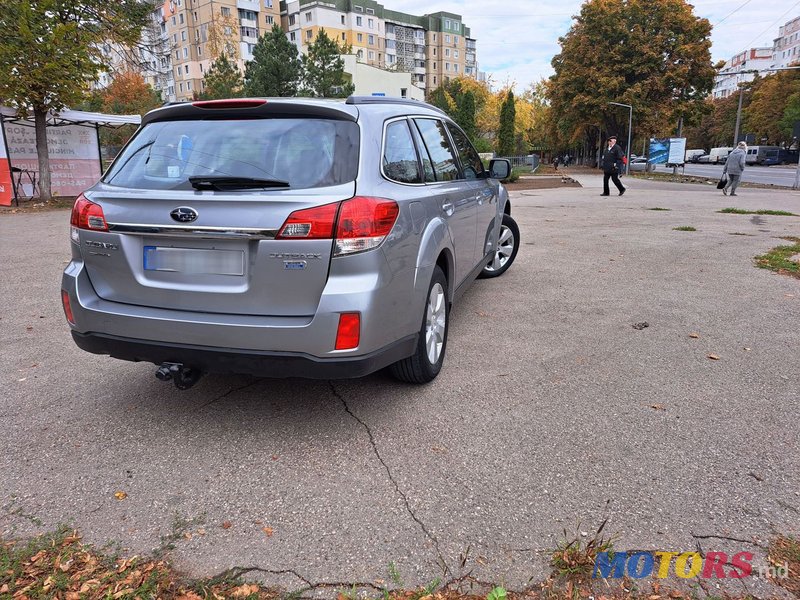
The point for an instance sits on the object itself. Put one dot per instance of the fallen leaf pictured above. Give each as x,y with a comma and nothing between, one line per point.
120,495
694,335
227,524
746,349
187,536
268,530
274,457
29,328
188,596
244,590
657,407
4,588
73,596
713,357
675,594
653,597
23,379
201,532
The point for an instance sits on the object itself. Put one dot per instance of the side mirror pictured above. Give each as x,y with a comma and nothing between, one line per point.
499,168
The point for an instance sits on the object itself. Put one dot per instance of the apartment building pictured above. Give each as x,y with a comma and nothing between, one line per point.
433,47
151,58
198,31
739,69
786,47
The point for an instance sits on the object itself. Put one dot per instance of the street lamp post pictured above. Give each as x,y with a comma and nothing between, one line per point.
630,125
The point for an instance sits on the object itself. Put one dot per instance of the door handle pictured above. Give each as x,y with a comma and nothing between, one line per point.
447,207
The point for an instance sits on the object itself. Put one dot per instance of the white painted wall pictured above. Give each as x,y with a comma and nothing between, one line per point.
369,80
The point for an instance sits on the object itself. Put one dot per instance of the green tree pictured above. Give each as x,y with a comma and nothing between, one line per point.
506,141
222,80
654,56
766,111
323,67
50,49
465,115
275,70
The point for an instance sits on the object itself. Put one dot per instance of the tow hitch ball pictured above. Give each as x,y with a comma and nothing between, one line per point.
183,377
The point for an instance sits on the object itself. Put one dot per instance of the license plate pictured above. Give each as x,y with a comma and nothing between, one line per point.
194,261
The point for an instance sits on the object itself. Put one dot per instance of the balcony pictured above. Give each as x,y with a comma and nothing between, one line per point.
248,5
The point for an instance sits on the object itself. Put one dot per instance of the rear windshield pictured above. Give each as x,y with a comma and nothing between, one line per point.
305,152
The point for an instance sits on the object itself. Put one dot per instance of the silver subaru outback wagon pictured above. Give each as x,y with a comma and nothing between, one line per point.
285,237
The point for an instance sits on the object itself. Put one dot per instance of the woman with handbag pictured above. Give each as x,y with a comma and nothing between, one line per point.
734,167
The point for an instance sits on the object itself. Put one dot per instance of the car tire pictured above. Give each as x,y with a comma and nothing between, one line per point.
424,365
506,251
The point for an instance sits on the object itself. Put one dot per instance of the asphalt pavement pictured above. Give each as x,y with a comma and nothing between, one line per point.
783,176
552,412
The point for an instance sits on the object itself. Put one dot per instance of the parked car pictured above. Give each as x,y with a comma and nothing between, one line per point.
286,237
785,157
719,155
639,164
691,156
704,159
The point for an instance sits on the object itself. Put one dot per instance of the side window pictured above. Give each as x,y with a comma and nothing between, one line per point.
470,161
441,154
399,156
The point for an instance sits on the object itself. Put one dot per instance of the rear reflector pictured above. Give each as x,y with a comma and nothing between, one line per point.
231,103
310,223
88,215
67,307
349,331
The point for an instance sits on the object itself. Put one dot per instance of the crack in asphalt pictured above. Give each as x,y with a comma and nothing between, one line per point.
417,520
226,394
237,572
723,537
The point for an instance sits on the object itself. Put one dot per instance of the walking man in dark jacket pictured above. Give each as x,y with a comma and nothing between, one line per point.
611,163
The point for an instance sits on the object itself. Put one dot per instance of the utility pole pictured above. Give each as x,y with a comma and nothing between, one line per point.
738,117
680,130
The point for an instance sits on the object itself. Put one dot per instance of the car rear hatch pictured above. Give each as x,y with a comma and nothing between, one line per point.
201,208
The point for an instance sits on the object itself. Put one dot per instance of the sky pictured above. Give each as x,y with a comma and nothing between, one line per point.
516,41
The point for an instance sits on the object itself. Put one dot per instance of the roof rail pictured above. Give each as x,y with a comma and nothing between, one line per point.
389,100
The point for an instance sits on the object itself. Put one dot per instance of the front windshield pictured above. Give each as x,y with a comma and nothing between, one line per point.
304,152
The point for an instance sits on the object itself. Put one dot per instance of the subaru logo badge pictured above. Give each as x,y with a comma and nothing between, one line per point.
184,214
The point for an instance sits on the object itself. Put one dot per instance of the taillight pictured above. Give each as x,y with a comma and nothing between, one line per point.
88,215
67,307
364,223
310,223
349,331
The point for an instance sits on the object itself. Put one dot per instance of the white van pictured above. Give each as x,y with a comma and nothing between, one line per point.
692,155
719,155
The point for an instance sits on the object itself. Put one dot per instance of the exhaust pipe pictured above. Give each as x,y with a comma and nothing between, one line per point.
183,377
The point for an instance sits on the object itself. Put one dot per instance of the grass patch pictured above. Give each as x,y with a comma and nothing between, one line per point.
659,208
785,552
778,259
684,228
742,211
574,558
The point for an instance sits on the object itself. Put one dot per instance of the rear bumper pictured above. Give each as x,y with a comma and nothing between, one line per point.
231,360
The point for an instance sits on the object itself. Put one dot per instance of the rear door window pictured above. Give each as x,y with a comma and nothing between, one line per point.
305,152
400,161
441,154
471,163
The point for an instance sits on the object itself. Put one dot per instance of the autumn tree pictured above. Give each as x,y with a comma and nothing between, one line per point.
223,36
764,116
323,69
222,80
654,56
506,138
49,49
276,69
128,94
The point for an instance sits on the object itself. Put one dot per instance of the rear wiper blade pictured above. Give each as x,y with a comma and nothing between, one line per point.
221,183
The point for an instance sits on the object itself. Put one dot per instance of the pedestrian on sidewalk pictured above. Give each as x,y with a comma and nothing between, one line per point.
611,163
734,167
555,163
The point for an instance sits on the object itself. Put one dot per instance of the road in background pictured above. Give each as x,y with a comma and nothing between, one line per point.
783,176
